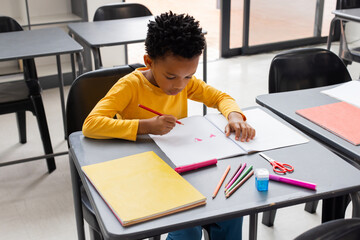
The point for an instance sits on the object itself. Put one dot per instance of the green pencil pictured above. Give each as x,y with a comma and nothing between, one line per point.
239,179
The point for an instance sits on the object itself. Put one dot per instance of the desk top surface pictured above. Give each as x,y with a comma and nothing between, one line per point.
352,14
312,163
111,32
36,43
286,103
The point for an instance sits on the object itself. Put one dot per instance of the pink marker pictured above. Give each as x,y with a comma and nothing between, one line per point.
195,166
291,181
235,177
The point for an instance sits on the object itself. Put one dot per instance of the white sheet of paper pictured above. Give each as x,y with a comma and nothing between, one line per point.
203,138
196,141
270,133
348,92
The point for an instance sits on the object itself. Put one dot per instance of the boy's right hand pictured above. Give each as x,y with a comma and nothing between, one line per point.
158,125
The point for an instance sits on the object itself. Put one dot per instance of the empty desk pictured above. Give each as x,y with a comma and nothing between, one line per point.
41,43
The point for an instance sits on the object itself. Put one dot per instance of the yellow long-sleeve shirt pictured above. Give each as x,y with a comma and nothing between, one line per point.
123,98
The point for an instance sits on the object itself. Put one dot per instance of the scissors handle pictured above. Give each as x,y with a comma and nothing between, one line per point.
282,167
288,167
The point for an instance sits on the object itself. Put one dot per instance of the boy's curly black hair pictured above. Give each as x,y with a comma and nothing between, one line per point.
176,34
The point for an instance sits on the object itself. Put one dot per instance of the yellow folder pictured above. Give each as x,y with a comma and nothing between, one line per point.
141,187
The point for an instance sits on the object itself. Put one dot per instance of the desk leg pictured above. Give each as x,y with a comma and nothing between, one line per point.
355,198
97,59
205,73
80,63
77,200
61,89
331,33
126,54
253,221
73,69
334,208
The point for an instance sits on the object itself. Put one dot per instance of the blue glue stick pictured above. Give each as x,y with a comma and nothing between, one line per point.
262,179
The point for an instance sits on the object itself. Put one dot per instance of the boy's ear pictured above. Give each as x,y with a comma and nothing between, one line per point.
148,61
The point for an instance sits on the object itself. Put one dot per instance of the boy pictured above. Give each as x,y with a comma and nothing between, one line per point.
173,44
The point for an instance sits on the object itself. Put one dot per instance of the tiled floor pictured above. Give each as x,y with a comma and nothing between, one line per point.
37,206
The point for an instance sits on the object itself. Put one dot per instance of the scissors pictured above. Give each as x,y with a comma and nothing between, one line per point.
277,166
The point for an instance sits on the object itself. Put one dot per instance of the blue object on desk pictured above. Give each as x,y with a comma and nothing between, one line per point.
262,179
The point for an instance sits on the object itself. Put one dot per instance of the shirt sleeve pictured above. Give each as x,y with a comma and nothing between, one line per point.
101,122
199,91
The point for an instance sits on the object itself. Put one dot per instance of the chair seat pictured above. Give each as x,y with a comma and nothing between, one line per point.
13,91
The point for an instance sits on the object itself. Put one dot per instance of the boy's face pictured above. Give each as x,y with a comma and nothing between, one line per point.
171,73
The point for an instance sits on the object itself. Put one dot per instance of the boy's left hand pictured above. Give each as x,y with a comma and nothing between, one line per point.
240,127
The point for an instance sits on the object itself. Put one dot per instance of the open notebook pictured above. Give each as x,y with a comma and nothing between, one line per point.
202,138
141,187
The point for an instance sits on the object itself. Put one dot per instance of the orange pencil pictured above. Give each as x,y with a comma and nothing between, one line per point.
221,182
156,112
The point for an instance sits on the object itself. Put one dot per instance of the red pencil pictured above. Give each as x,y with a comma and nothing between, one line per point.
157,113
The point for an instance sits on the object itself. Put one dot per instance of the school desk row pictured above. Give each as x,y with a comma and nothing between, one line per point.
312,162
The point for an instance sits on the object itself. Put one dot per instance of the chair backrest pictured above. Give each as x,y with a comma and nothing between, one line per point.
340,229
8,24
306,68
120,11
88,89
347,4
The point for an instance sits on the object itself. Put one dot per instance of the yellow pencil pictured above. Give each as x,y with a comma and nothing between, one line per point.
221,182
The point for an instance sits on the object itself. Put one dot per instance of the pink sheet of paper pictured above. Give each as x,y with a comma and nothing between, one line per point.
342,119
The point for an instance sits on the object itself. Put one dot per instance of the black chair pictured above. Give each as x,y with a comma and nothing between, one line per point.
340,229
84,94
301,69
348,55
120,11
25,95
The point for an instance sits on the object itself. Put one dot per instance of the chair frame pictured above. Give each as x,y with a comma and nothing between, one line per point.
76,112
34,104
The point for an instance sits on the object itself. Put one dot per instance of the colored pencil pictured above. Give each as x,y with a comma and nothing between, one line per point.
239,179
239,184
233,175
156,112
221,182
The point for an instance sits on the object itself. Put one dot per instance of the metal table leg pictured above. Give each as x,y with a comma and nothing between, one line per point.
77,199
61,89
331,33
355,198
253,220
